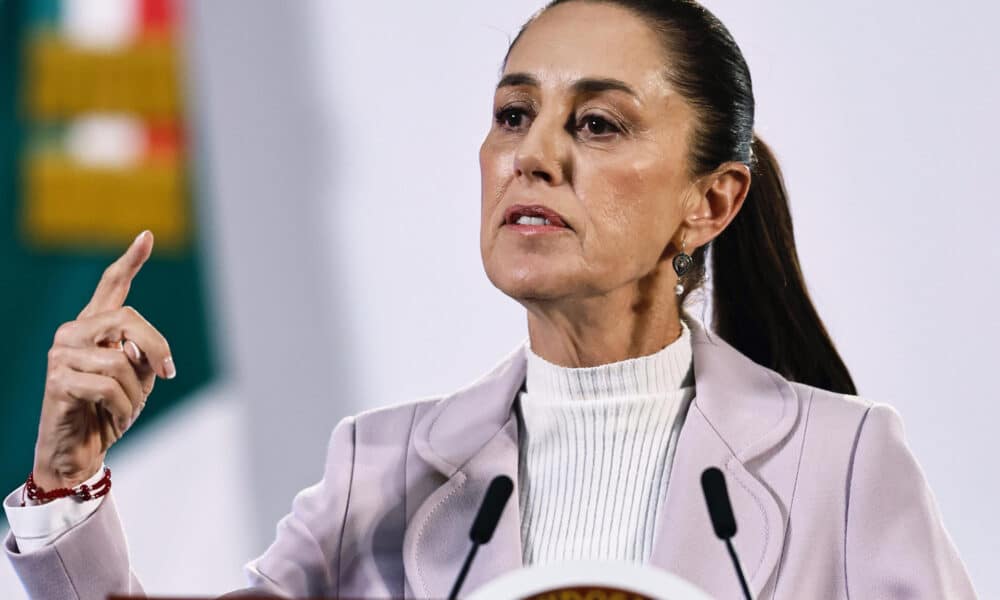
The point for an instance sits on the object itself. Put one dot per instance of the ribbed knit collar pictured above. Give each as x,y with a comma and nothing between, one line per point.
662,372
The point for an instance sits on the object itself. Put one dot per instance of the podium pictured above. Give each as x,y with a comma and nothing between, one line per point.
583,580
589,580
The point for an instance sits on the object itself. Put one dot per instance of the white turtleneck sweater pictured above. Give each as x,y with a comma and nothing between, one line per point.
596,446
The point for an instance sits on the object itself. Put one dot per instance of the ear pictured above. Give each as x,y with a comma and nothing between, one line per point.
718,198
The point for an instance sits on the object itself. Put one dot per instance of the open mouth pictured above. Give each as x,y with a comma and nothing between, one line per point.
535,216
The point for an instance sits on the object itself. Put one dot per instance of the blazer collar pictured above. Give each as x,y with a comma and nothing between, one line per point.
751,407
740,410
459,426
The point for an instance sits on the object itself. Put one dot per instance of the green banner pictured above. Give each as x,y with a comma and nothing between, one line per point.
45,282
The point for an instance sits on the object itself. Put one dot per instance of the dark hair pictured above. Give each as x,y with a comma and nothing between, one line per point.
760,302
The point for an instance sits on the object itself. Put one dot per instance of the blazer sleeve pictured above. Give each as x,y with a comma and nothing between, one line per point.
896,544
91,560
304,559
88,562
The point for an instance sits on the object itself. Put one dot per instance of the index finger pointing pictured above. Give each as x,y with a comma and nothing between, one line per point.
114,285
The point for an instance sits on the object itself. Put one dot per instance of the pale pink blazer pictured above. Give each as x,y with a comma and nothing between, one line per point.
829,501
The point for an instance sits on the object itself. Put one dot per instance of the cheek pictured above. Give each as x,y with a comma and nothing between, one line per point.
633,205
495,168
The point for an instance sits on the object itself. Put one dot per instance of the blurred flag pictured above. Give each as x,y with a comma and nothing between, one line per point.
92,151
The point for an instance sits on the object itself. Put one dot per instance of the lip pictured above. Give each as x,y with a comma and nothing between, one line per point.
516,211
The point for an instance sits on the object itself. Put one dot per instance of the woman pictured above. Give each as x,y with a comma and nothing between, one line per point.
622,149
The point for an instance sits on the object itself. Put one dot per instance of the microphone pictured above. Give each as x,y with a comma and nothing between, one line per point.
485,524
713,484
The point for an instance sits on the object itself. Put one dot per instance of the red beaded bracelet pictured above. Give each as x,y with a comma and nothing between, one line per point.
82,492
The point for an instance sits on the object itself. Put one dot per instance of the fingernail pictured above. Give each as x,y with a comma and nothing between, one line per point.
139,237
169,368
133,351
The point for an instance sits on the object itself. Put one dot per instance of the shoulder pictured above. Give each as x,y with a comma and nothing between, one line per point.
438,431
837,414
849,431
378,437
846,450
393,419
832,427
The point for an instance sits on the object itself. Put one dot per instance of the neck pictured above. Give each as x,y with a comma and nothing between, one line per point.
626,323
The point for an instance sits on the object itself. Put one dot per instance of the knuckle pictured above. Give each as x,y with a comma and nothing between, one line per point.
118,364
111,273
56,354
56,381
64,332
53,380
130,312
106,389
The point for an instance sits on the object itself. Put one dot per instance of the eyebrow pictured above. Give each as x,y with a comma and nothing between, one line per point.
586,85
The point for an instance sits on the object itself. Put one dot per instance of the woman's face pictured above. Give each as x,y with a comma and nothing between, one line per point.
586,131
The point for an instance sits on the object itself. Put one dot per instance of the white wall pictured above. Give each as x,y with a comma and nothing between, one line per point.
340,147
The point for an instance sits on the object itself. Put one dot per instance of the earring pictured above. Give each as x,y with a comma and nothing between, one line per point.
682,264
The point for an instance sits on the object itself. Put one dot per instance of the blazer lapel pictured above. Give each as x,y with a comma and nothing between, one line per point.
469,438
739,412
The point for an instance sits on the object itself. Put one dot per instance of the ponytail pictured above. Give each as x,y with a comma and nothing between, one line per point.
760,303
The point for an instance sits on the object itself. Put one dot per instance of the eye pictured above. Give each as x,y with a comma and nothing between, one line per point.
511,118
597,126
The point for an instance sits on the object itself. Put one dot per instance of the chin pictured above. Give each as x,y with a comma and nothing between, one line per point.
527,282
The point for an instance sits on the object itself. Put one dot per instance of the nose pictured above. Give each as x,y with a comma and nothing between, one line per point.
543,152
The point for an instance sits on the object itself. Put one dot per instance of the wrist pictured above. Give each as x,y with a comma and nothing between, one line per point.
50,477
50,481
93,488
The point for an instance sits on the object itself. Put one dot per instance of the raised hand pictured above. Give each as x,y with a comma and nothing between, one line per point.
101,369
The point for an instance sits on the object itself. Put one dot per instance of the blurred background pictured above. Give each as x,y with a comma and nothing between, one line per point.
310,172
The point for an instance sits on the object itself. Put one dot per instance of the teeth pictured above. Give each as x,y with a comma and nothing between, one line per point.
526,220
